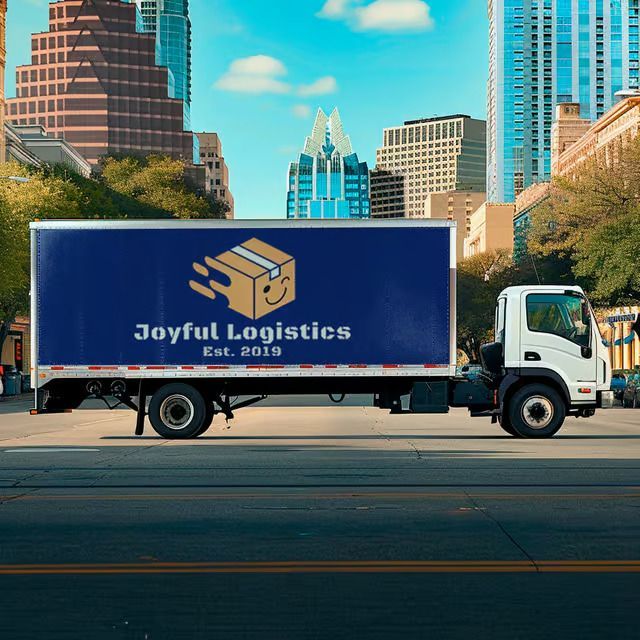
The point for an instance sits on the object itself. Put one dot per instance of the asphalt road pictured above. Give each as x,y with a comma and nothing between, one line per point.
318,522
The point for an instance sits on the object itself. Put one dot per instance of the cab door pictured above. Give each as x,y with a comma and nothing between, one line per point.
557,334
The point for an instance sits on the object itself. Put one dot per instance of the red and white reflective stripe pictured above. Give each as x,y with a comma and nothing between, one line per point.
250,367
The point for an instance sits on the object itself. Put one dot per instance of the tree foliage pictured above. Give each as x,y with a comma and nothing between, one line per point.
20,203
480,280
159,183
592,220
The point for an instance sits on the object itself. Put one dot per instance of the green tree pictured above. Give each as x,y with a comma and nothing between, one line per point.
591,220
161,183
41,197
480,280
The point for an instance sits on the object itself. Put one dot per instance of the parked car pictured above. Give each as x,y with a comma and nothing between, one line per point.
631,395
618,385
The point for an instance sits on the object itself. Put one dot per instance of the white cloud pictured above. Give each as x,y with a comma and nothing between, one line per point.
255,74
335,9
388,16
301,111
321,87
394,15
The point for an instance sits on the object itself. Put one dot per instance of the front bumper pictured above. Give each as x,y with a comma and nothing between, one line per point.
605,399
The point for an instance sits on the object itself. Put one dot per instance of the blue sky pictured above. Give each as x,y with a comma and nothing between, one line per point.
261,68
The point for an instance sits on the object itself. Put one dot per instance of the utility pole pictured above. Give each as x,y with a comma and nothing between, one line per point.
3,64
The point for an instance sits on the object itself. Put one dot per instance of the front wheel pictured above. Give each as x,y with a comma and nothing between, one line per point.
536,411
503,421
178,412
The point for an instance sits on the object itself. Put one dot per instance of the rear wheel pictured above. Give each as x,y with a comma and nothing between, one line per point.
536,411
178,412
208,421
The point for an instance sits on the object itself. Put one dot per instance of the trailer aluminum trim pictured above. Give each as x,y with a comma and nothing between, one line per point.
47,374
35,378
250,224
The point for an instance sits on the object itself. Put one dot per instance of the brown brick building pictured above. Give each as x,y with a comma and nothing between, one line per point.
94,81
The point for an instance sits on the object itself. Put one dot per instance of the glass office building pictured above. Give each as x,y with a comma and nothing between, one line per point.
328,180
543,53
169,20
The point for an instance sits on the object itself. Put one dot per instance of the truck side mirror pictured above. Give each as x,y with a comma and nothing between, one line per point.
587,353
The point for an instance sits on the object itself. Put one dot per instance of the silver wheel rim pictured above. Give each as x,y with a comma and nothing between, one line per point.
538,412
176,412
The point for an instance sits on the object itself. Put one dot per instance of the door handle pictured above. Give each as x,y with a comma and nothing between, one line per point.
532,356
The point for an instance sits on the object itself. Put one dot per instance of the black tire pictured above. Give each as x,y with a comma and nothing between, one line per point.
206,425
503,421
536,411
177,412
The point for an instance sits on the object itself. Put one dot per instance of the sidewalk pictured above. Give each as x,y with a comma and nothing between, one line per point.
6,400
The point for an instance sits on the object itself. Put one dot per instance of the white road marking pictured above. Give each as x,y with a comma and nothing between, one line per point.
51,450
89,424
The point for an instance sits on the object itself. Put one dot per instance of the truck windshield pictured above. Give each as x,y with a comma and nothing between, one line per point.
567,316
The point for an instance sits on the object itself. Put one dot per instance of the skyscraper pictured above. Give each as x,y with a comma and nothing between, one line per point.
217,171
435,155
543,53
328,180
169,21
94,81
387,194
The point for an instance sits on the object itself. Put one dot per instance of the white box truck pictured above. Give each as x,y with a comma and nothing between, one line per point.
192,314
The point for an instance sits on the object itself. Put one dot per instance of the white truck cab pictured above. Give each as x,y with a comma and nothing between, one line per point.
549,359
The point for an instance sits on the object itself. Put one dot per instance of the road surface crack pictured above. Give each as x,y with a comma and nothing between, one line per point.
418,453
8,499
113,460
502,528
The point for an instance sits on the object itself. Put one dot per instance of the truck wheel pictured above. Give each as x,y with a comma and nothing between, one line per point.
503,421
208,421
536,411
177,412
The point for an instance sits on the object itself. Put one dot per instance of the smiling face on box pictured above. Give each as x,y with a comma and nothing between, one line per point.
262,278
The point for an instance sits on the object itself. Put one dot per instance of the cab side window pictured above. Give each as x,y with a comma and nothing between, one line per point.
561,315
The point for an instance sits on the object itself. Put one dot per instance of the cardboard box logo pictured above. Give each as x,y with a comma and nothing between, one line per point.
261,278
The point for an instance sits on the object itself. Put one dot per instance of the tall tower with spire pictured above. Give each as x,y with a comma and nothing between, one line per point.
327,180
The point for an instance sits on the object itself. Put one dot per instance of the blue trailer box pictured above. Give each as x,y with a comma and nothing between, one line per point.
248,297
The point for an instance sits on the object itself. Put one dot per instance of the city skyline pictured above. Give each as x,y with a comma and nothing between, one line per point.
292,75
